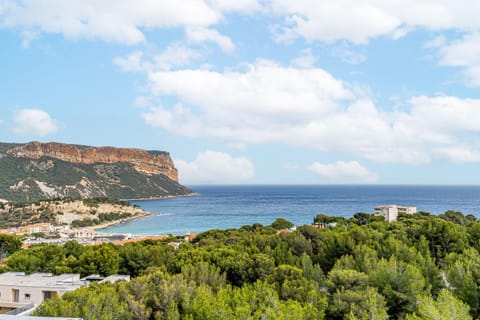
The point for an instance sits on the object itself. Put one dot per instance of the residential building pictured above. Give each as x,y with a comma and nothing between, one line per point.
21,291
18,290
390,212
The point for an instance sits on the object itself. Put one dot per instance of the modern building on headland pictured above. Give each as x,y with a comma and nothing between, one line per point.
390,212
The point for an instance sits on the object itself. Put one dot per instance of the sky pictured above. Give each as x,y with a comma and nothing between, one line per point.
253,91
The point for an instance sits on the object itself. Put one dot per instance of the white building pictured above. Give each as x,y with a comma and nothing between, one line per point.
390,212
20,291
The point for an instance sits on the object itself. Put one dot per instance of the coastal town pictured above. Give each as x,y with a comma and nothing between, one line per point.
77,220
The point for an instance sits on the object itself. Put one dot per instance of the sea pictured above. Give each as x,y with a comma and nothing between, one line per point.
224,207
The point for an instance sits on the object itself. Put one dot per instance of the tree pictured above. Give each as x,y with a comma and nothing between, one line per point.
97,302
103,259
8,245
400,283
281,223
445,307
463,275
351,296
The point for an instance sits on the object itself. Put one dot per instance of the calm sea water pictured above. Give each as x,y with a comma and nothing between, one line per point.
222,207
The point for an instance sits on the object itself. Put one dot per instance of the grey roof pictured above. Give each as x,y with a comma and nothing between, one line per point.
8,317
39,279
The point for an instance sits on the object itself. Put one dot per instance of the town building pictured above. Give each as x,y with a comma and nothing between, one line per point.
391,212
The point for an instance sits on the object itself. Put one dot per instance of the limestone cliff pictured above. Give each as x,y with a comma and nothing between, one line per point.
35,170
150,163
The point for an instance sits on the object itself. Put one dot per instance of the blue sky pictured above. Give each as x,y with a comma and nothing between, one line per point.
253,91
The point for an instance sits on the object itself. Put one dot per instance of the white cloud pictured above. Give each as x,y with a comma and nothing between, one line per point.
464,53
358,21
122,21
201,34
174,56
125,21
215,167
306,59
437,42
131,63
460,154
269,103
246,6
34,122
343,172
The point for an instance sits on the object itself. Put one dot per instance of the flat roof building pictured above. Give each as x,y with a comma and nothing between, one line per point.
21,291
390,212
18,290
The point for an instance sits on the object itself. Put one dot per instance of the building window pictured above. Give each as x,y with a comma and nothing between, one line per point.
27,296
49,294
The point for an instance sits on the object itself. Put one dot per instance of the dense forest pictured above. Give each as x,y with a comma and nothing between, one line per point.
420,267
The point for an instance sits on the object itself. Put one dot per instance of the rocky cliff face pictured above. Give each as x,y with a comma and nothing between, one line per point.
34,171
149,163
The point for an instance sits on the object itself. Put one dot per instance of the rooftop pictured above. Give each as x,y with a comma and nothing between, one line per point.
39,279
8,317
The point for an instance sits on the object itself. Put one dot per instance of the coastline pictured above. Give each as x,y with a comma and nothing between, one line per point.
101,226
192,194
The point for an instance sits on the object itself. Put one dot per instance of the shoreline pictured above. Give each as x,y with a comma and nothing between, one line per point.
193,194
95,229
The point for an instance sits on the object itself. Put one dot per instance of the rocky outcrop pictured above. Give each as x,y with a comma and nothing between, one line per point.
147,162
34,171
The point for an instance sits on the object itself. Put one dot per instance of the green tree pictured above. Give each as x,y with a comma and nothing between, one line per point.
8,245
445,307
97,302
351,296
103,259
400,283
463,275
281,223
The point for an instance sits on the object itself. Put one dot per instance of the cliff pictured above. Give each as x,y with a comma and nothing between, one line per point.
150,163
35,170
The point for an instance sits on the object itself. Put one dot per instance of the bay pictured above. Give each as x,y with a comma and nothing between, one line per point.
223,207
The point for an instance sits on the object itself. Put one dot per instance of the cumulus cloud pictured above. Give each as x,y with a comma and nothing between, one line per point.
212,167
463,53
359,21
174,56
131,63
121,21
306,59
269,103
245,6
343,172
34,122
201,34
124,21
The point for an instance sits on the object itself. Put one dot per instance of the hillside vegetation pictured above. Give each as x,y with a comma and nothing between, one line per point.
421,267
